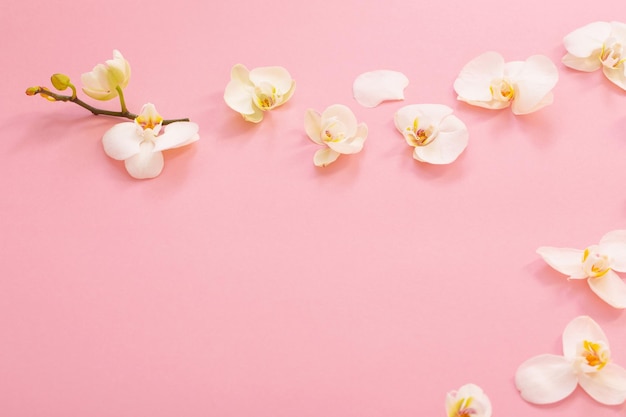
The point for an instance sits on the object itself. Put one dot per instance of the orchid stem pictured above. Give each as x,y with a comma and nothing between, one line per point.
124,113
120,94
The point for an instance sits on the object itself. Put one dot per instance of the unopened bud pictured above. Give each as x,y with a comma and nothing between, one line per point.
60,81
42,93
31,91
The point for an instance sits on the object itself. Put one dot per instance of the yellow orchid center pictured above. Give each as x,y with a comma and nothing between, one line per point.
462,408
420,136
502,90
266,96
595,264
612,54
149,118
334,132
596,355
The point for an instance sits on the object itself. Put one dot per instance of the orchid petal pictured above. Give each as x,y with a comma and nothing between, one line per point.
534,81
607,386
324,157
176,135
238,96
613,244
475,78
254,117
447,146
586,64
279,77
545,379
122,141
610,288
616,75
565,260
583,42
578,330
146,164
313,126
372,88
240,75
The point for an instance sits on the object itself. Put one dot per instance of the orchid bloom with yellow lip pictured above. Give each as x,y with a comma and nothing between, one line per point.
586,361
596,263
140,143
598,45
337,130
468,401
526,86
104,80
251,93
437,136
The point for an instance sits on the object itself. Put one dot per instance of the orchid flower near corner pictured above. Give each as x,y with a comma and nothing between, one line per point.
598,45
586,361
336,129
526,86
597,264
107,80
468,401
251,93
140,143
437,135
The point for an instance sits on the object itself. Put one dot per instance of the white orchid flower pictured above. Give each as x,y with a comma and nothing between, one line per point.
251,93
596,263
437,135
102,82
487,81
337,130
139,143
468,401
598,45
586,360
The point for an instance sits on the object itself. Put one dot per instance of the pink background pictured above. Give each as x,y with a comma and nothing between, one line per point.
244,281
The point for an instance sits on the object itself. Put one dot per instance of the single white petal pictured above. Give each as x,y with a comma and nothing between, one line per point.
587,64
238,96
610,288
565,260
578,330
325,157
536,79
122,141
313,126
447,146
616,75
607,386
613,244
279,77
354,145
177,134
343,114
476,76
545,379
583,42
372,88
146,164
471,395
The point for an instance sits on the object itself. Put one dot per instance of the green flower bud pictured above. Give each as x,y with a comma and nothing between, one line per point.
60,81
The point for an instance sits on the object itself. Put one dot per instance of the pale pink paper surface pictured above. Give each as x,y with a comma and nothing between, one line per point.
244,281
